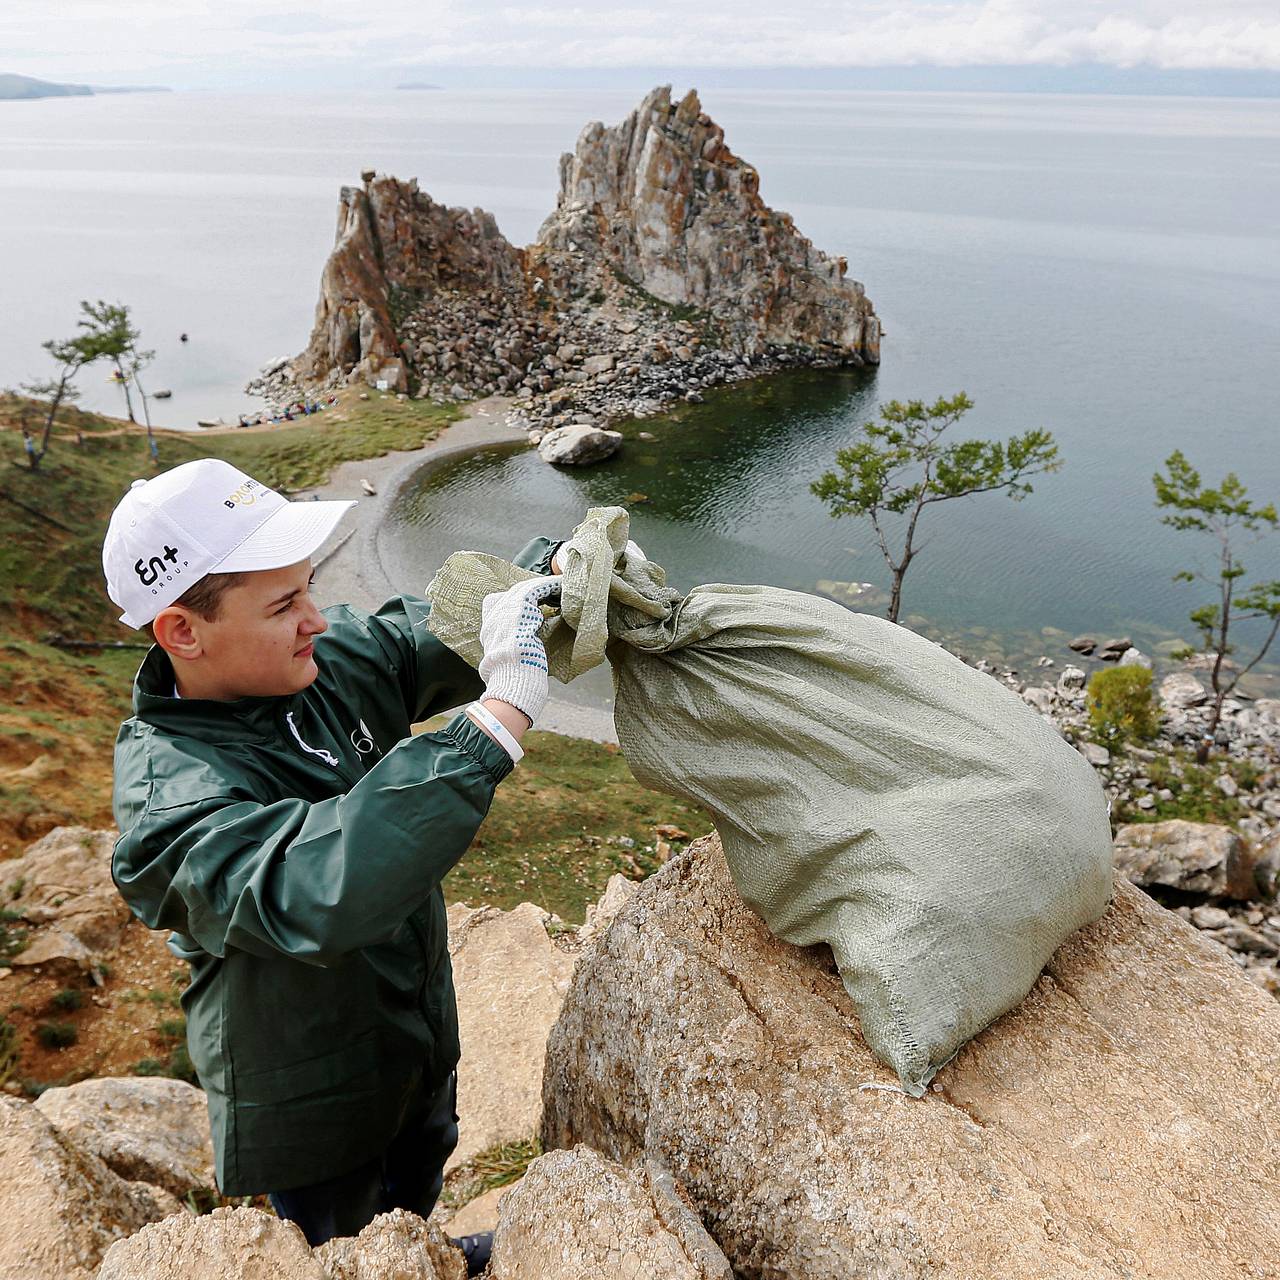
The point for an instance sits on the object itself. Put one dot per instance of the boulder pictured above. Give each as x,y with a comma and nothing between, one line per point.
1083,644
1112,650
62,886
1119,1122
599,364
578,445
1268,710
1135,658
1039,696
1180,690
393,1245
1095,754
578,1216
60,1206
229,1244
511,979
1266,867
617,893
1195,857
146,1129
1072,678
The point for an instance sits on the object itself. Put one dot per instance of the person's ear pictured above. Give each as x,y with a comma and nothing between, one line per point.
176,633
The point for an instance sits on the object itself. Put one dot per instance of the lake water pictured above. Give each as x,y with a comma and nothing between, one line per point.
1107,268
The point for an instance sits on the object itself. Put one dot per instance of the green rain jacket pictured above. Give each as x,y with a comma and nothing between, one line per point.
295,846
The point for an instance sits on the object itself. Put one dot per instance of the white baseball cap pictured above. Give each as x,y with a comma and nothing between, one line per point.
203,517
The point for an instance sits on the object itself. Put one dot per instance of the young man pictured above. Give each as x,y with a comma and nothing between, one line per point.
277,815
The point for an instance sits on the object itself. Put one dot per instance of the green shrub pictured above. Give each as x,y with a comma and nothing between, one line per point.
67,1000
56,1035
1122,706
8,1049
13,938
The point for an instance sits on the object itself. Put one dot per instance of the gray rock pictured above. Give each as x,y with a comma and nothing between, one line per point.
1039,696
1095,754
1071,678
1227,785
1196,857
1083,644
1135,658
599,364
1111,650
1206,917
578,445
1181,689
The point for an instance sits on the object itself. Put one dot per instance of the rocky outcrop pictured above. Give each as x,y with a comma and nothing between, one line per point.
396,249
1120,1121
146,1129
60,1206
663,204
661,272
1194,857
511,979
232,1244
577,1216
392,1245
61,887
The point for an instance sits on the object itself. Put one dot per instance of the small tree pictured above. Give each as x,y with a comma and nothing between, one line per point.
107,325
70,356
901,466
1225,513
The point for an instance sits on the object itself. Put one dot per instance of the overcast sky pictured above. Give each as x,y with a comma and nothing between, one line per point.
206,43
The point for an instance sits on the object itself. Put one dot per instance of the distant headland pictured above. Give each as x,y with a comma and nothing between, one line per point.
418,84
21,87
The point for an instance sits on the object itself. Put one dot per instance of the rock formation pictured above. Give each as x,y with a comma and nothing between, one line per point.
511,980
660,272
146,1129
60,1206
577,1216
1119,1122
394,1244
1193,857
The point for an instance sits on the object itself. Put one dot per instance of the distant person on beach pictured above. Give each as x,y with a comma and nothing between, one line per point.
278,815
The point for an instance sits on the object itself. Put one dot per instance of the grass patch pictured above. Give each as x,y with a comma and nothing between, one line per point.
56,1035
1195,794
495,1167
13,938
171,1033
8,1049
560,825
68,1000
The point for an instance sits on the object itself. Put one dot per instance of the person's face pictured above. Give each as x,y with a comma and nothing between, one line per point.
259,645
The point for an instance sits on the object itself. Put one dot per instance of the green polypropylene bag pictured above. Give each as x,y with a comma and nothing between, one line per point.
871,791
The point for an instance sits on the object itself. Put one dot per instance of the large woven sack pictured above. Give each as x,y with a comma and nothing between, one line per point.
871,791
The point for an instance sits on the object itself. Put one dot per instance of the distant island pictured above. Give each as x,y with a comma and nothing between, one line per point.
417,84
19,87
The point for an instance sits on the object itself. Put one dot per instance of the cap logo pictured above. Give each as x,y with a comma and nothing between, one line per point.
245,496
151,572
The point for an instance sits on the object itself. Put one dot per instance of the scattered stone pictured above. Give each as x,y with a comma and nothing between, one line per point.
62,884
60,1206
1096,755
1135,658
1071,678
1206,917
578,1216
510,979
1195,857
1040,697
146,1129
1227,785
1181,690
1112,650
599,364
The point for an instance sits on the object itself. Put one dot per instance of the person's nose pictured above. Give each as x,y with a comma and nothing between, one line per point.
314,622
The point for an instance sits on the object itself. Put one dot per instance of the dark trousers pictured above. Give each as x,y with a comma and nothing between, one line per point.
407,1175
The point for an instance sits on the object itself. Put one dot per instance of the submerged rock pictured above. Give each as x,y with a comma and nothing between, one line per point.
1119,1121
578,445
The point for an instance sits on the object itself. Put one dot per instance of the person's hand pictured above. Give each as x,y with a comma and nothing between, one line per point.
631,551
514,666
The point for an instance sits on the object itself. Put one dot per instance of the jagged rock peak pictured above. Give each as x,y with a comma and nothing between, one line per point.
680,216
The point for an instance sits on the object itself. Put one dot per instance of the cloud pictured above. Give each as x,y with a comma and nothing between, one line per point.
110,38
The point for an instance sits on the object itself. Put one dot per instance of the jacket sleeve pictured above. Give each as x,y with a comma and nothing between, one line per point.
432,677
313,881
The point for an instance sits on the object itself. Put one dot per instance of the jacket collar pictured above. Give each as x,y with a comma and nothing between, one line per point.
154,704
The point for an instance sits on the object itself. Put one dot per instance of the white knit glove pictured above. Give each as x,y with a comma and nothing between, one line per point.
514,666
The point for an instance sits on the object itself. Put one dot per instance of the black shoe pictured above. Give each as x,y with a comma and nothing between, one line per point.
476,1249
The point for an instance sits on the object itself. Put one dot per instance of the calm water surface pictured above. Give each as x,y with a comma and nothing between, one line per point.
1108,268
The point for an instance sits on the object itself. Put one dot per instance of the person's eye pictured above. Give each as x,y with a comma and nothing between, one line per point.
284,608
